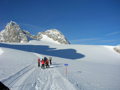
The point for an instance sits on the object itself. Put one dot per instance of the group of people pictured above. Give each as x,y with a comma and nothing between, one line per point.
45,62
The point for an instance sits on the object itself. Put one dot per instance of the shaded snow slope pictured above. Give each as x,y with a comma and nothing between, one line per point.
90,67
69,53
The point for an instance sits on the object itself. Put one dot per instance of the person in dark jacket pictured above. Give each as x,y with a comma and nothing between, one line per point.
50,60
38,62
45,58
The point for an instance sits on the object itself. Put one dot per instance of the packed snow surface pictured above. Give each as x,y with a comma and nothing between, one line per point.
1,51
90,67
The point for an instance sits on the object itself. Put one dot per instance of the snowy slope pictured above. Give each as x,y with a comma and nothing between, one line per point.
90,67
12,61
22,73
1,51
47,39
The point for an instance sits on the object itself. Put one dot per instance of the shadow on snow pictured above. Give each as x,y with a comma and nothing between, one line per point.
46,50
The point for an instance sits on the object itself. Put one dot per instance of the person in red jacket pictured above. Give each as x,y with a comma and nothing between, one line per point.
47,63
43,64
38,62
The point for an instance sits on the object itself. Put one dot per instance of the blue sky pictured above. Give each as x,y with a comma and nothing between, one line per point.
81,21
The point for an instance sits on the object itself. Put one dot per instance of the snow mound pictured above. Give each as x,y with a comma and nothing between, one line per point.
110,48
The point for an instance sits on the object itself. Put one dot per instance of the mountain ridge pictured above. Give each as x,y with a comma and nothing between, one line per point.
13,33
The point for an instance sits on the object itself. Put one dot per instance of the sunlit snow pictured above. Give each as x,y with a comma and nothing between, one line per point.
90,67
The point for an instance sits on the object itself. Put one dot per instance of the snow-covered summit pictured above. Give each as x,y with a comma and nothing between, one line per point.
54,35
13,33
12,26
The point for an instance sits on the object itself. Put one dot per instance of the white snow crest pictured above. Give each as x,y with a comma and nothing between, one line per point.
46,38
110,47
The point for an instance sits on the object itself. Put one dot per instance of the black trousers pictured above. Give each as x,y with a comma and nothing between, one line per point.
38,64
43,66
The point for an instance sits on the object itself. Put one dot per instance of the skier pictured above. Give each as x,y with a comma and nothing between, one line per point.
50,60
45,58
38,62
43,64
47,63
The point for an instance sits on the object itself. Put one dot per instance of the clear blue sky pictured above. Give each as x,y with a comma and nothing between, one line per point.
81,21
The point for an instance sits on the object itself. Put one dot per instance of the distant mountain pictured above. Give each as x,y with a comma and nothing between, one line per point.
53,34
13,33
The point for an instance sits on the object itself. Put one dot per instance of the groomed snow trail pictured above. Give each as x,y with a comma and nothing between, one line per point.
34,78
42,79
51,79
15,81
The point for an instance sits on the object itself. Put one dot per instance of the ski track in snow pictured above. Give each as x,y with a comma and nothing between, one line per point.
42,79
52,80
34,78
12,80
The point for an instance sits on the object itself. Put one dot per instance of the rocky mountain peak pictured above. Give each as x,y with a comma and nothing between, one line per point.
12,26
54,34
13,33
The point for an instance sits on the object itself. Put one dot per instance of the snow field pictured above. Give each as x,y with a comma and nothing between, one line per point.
29,76
97,70
51,79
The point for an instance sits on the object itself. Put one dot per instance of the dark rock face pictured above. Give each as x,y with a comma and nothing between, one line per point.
3,87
